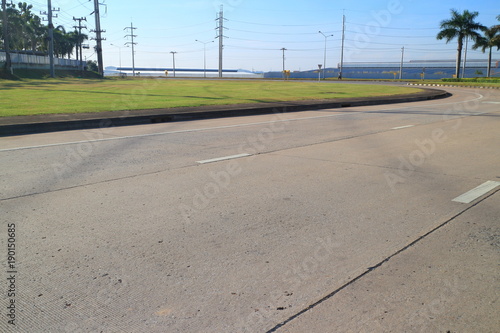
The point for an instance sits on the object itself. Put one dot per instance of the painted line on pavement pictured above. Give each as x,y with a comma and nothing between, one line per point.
223,158
401,127
475,193
491,102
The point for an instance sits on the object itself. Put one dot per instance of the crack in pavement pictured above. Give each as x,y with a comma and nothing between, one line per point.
370,269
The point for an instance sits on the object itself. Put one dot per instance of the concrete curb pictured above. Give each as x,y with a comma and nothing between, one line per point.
448,85
10,126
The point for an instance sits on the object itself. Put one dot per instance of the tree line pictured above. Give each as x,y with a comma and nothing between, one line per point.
28,34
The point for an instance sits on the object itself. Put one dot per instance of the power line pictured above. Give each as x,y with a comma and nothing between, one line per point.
282,33
392,36
392,28
283,25
281,41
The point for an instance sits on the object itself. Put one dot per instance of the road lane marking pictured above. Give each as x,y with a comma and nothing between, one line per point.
491,102
475,193
223,158
401,127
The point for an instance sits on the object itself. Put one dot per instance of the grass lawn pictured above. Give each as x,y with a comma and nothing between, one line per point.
29,97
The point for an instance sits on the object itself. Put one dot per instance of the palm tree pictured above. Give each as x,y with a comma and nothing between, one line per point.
488,41
63,42
460,26
77,40
497,28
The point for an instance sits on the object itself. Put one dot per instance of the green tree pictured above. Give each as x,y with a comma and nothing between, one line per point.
77,40
460,26
490,40
13,25
92,66
33,31
497,28
25,29
64,42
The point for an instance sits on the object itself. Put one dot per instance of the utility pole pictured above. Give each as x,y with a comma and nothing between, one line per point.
8,64
98,37
51,40
79,42
283,49
342,49
221,37
324,59
401,65
132,28
173,60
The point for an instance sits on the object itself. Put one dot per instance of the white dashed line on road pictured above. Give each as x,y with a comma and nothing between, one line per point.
475,193
223,158
401,127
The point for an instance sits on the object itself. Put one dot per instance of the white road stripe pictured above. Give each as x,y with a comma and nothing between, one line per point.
223,158
475,193
401,127
491,102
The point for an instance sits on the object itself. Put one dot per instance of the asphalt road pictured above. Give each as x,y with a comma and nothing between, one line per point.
338,220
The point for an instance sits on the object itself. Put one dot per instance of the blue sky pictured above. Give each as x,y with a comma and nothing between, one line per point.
257,30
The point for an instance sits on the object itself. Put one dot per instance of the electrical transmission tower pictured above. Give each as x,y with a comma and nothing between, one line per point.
80,40
98,37
221,36
132,28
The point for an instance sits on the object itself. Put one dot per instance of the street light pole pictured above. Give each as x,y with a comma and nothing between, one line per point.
401,65
173,59
119,53
204,56
324,59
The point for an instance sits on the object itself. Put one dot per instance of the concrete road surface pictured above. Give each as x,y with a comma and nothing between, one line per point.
341,220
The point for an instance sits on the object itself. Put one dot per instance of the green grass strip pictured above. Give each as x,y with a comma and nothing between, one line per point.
31,97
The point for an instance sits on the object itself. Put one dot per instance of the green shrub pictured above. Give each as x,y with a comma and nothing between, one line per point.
476,80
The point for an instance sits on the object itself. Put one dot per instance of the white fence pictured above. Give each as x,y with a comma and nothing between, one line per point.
40,62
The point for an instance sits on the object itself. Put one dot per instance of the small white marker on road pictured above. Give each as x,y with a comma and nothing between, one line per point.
475,193
401,127
223,158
